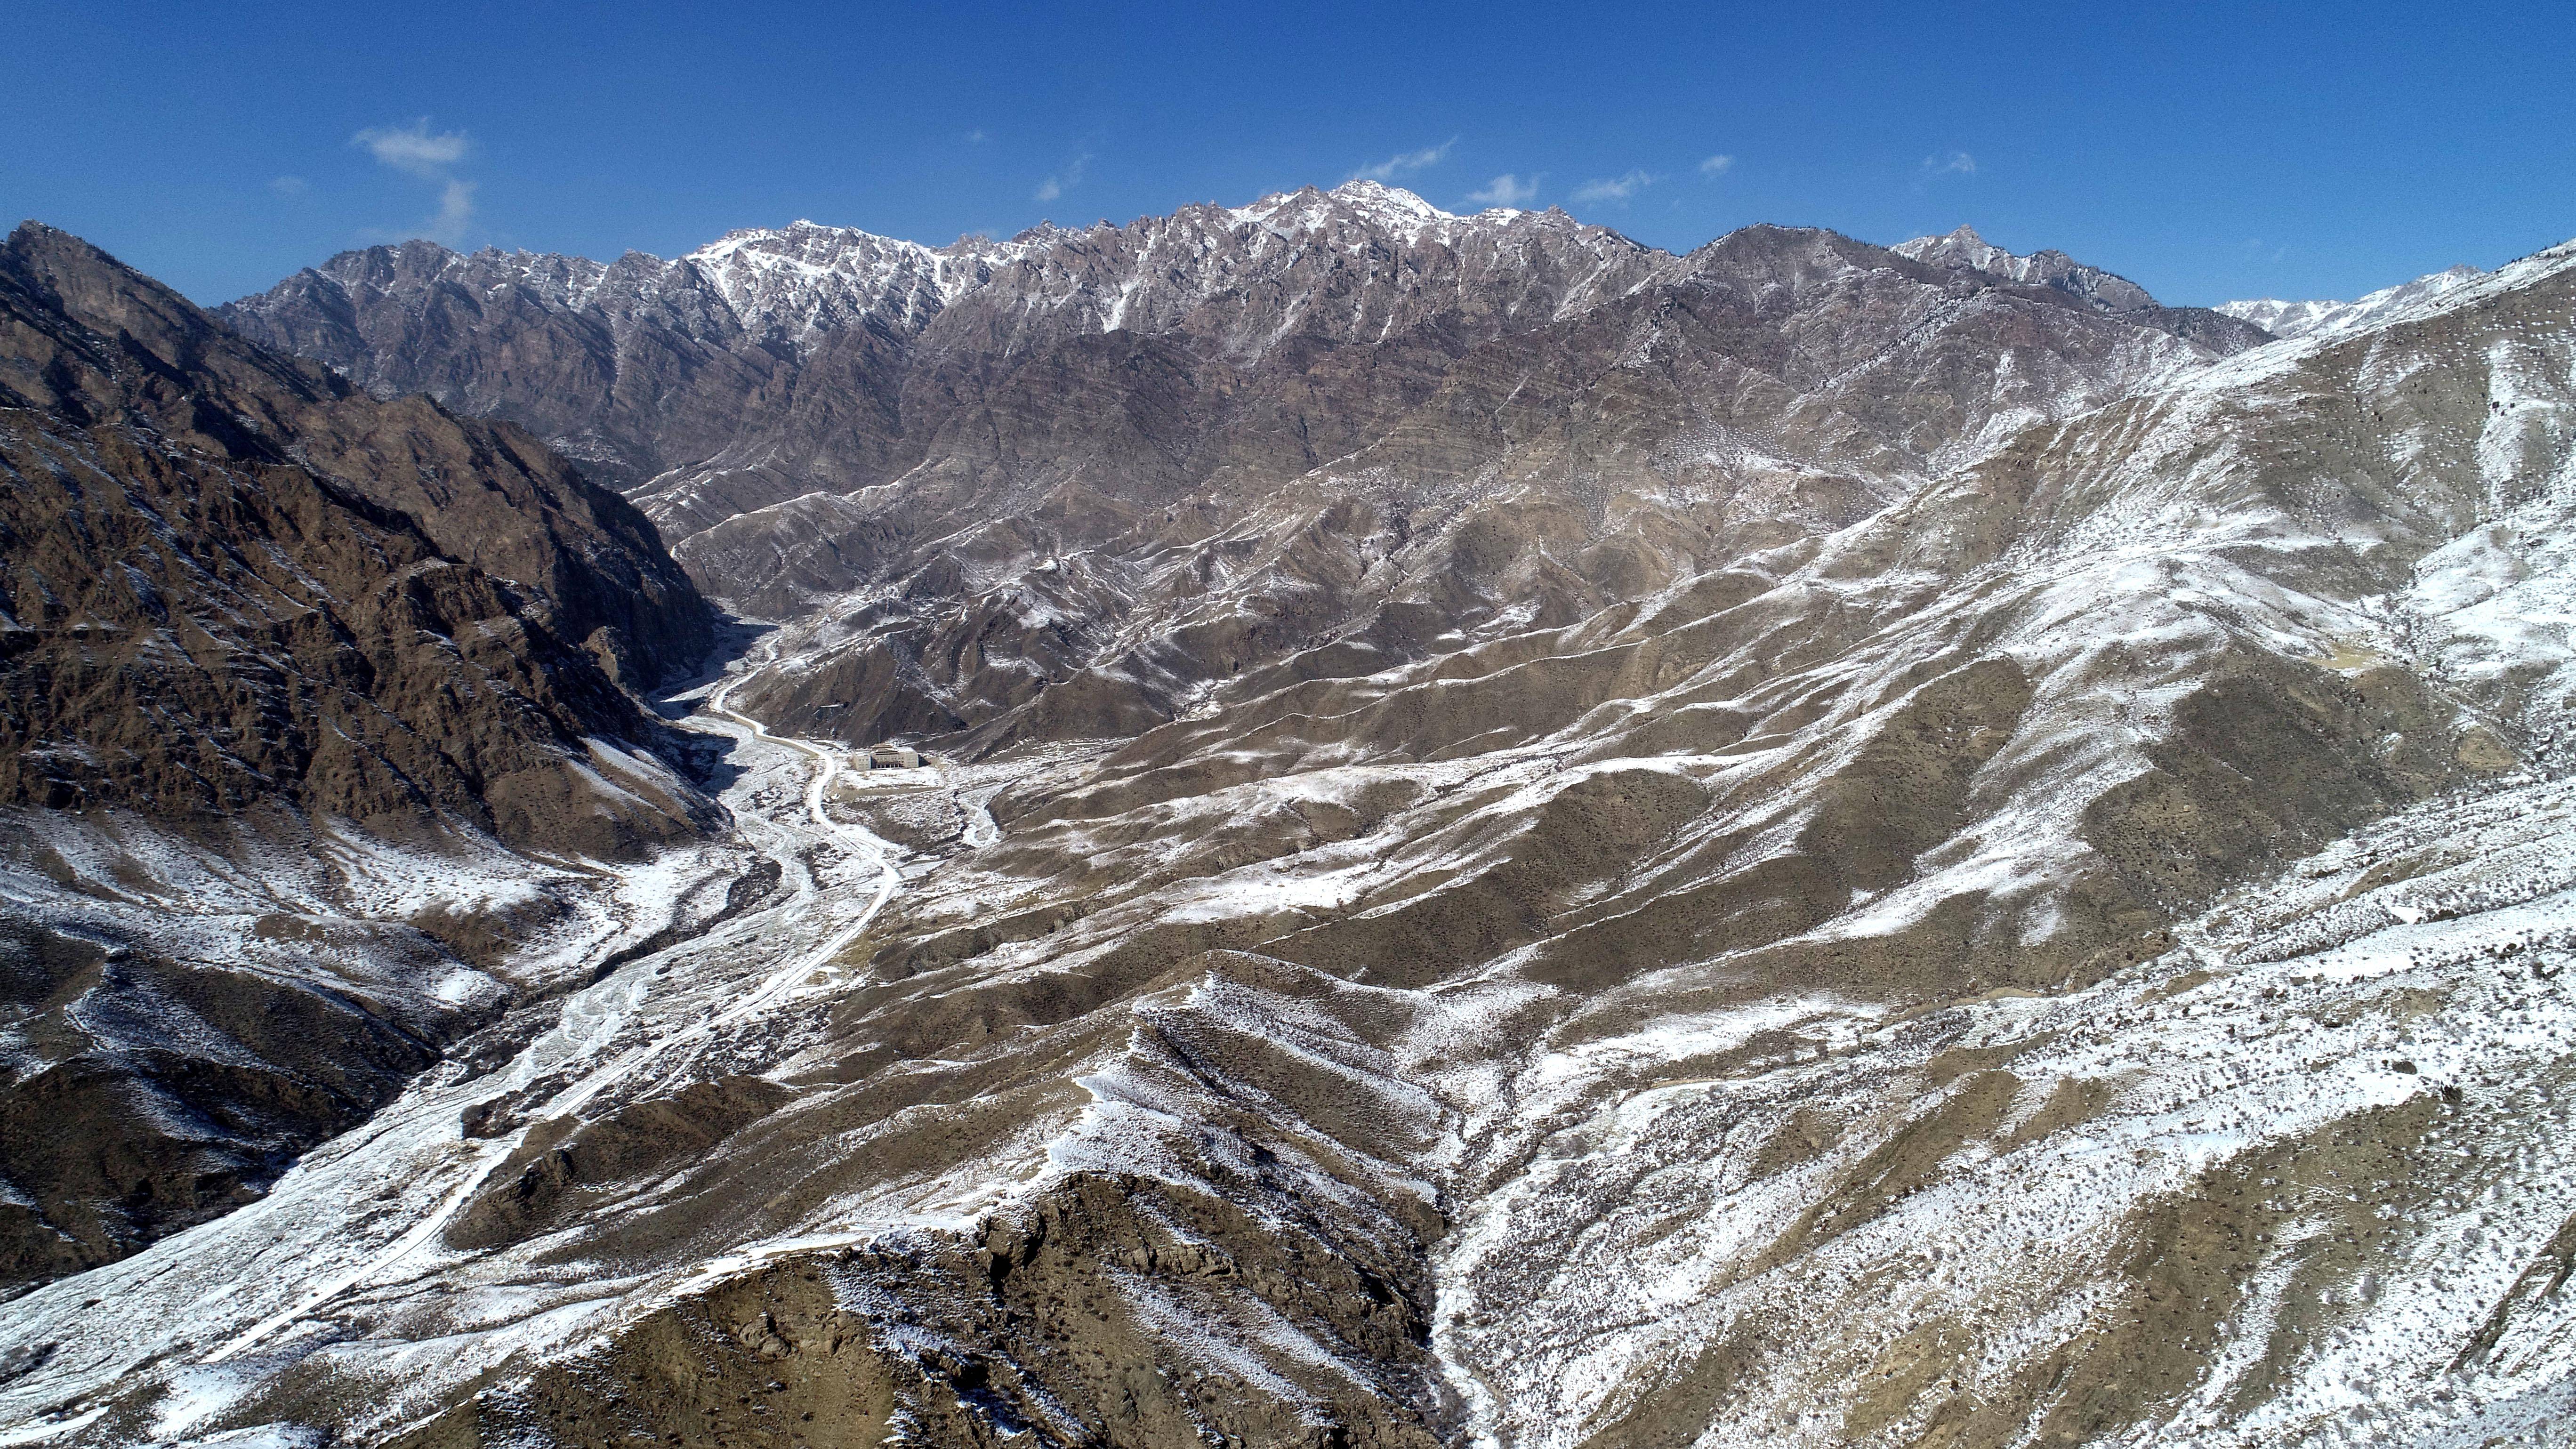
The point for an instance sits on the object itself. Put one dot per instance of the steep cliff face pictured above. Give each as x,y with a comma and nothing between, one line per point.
222,594
255,627
97,341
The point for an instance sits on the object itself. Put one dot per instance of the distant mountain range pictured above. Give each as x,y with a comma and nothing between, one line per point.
817,412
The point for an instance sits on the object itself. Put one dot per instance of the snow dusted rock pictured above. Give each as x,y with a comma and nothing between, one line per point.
792,284
2101,290
2320,319
1135,461
2218,329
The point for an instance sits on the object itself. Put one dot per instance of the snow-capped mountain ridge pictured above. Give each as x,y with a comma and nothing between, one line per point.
1390,206
805,276
2331,318
680,379
798,284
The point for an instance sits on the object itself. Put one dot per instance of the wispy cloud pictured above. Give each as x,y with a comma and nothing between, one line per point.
1949,163
415,148
1406,163
1717,166
455,211
1506,190
1614,188
1064,180
290,185
977,137
417,151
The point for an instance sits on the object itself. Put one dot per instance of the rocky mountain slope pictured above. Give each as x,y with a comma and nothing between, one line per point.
1803,845
2106,292
1042,487
248,613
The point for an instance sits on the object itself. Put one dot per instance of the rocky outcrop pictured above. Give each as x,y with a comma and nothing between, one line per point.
156,1079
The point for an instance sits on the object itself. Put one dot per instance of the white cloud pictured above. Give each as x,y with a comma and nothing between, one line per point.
415,149
1717,166
1952,163
977,137
290,185
1506,190
455,212
1615,188
1065,180
1395,166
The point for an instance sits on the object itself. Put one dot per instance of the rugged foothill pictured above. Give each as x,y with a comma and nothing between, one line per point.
245,607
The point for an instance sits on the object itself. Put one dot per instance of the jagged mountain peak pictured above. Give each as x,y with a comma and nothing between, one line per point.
824,243
1379,207
1045,231
1963,238
1389,206
561,279
1963,246
1964,249
795,279
795,282
1311,209
603,356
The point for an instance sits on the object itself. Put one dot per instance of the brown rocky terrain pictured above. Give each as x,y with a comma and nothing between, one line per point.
1819,846
584,563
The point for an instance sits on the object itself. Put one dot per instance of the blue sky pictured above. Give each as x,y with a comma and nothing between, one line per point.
2208,151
